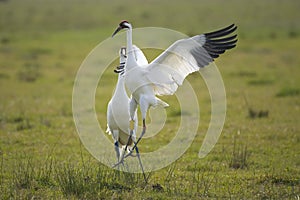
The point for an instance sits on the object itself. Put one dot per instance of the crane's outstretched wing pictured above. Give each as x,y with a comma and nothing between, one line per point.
139,56
186,56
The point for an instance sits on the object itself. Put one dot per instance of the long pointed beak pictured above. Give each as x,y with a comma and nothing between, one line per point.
116,31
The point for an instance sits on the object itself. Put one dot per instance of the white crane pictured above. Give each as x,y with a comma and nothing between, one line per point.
118,110
165,73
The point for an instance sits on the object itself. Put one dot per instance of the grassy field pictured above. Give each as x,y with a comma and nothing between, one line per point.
42,45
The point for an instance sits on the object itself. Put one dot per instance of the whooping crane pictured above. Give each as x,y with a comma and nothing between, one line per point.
165,73
118,110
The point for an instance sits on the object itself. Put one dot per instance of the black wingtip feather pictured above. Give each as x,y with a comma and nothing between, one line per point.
217,42
221,32
226,39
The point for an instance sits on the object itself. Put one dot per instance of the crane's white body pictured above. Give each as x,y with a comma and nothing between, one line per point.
137,82
118,108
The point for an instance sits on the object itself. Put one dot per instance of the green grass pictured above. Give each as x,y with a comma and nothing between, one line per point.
284,92
42,45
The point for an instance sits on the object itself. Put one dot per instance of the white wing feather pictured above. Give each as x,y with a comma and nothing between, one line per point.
186,56
139,56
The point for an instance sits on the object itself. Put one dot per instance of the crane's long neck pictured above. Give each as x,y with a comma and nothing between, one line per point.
131,61
120,91
129,41
120,84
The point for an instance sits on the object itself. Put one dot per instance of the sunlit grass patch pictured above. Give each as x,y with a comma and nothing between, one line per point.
288,91
4,76
29,73
244,74
261,82
240,155
279,179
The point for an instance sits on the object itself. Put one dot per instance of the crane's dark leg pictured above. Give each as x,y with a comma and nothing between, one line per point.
125,149
144,106
140,161
131,127
116,144
135,144
117,149
132,112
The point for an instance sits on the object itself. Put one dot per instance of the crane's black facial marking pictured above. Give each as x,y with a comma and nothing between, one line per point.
122,25
120,69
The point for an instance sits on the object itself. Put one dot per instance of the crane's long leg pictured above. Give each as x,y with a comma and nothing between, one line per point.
140,161
135,144
116,144
144,106
132,112
134,147
125,149
117,150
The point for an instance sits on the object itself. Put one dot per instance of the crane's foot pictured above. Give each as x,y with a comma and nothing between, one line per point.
125,149
118,163
130,153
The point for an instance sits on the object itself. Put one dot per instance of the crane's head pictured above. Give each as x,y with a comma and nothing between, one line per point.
120,69
123,25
